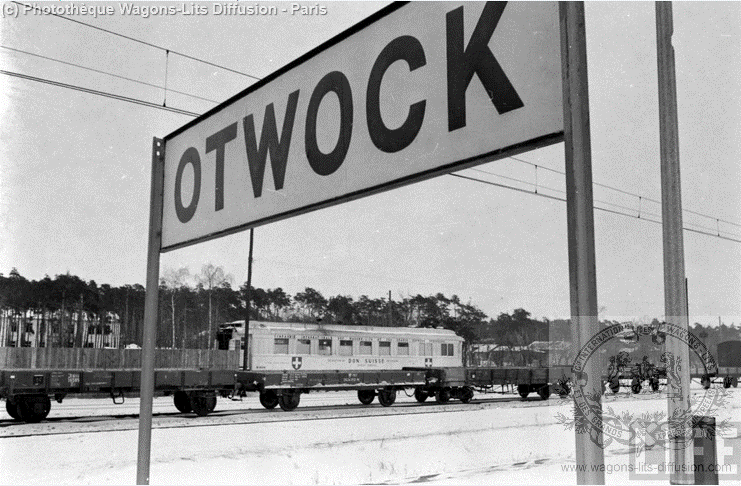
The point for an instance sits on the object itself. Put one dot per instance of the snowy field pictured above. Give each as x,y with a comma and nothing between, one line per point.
505,442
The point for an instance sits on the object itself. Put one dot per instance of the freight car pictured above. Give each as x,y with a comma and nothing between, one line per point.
287,360
729,364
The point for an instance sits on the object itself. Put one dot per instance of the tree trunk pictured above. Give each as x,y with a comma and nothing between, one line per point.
127,323
172,299
210,322
62,326
78,330
185,328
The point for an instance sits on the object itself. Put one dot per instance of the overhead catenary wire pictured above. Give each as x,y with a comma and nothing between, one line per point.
548,196
644,212
133,39
628,193
86,68
504,186
99,93
605,202
192,114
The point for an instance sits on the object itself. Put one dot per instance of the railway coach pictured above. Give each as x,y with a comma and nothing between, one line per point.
284,346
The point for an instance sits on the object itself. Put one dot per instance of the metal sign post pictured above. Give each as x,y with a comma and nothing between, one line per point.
675,297
151,307
590,457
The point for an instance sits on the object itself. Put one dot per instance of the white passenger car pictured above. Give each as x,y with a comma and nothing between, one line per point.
286,346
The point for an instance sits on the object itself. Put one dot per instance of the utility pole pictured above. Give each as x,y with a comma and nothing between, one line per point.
720,329
248,298
390,311
580,232
675,304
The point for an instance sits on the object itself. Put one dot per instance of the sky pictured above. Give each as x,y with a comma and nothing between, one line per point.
75,167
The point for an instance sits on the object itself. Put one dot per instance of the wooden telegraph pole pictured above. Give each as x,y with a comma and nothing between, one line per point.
248,297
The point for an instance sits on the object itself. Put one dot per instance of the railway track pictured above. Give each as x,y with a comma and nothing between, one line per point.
235,413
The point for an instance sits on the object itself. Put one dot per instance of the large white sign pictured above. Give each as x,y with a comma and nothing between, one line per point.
414,91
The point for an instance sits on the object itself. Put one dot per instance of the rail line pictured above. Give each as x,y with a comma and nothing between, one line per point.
10,429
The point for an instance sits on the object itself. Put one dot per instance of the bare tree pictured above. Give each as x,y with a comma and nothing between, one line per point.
211,277
175,280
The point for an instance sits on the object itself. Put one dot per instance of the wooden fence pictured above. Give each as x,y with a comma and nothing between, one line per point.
106,359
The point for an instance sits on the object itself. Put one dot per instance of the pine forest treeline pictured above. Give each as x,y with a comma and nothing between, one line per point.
67,311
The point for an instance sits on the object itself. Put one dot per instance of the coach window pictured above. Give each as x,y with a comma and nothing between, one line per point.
325,347
403,349
366,347
281,346
303,346
446,349
345,347
384,348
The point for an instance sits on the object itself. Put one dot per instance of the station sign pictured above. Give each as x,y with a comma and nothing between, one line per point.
414,91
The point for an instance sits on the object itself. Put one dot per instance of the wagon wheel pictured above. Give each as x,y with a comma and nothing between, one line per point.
211,403
734,381
269,399
387,397
727,382
289,400
182,402
420,395
366,397
33,409
563,389
544,392
10,406
466,394
523,390
442,395
654,382
615,385
635,386
203,403
705,380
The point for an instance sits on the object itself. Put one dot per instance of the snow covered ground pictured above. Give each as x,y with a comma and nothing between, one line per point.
508,443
